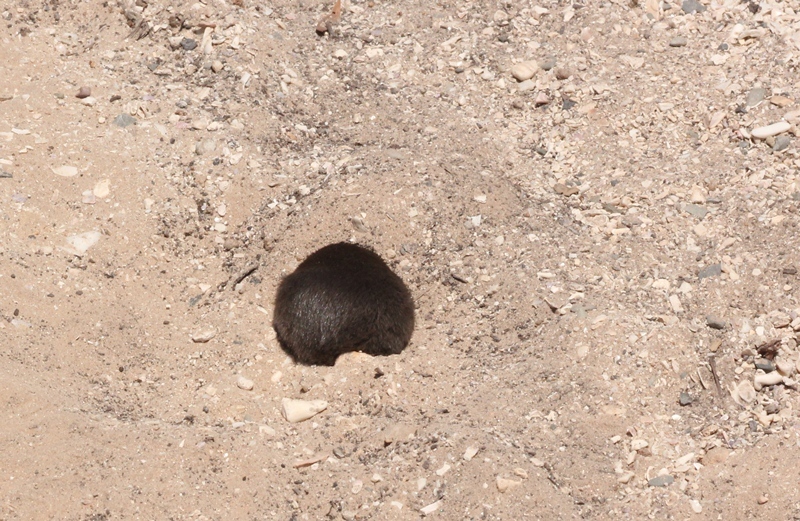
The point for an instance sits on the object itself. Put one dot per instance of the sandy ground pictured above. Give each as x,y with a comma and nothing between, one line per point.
603,257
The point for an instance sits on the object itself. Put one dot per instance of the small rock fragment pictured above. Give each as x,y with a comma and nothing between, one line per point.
781,143
399,432
678,41
504,484
188,44
685,399
204,336
714,322
763,499
744,393
299,410
697,508
124,120
81,242
83,92
713,270
661,481
675,303
216,66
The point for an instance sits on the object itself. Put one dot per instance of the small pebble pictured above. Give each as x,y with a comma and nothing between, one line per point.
523,71
715,322
678,41
217,66
204,336
504,484
83,92
685,399
244,383
763,499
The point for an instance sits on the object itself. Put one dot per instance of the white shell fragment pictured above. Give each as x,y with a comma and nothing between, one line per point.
470,453
102,189
771,130
299,410
767,379
430,509
65,171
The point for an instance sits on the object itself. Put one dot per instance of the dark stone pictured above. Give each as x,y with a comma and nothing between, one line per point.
685,399
188,44
765,365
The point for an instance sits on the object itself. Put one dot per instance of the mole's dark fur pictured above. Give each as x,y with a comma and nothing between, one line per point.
342,298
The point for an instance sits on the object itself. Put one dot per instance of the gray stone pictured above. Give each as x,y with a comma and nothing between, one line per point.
188,44
781,143
692,6
755,96
678,41
661,481
696,210
685,399
715,322
765,365
124,120
548,64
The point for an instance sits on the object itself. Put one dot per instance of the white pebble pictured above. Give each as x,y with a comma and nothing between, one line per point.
298,410
470,453
771,130
204,336
65,171
522,71
244,383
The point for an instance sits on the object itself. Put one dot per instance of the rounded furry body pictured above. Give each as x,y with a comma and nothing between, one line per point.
342,298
